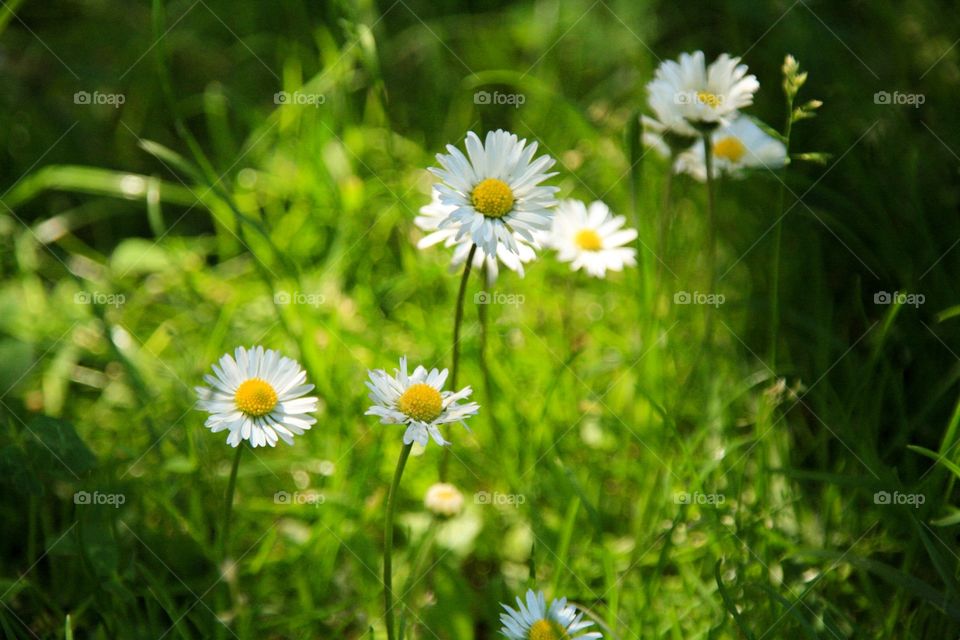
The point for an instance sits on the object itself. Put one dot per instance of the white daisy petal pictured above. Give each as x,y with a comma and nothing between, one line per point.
481,195
259,396
418,401
738,147
687,96
591,238
533,618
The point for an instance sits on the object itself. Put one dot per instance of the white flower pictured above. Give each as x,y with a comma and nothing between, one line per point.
686,95
591,238
431,215
443,499
736,147
258,396
418,401
534,621
495,191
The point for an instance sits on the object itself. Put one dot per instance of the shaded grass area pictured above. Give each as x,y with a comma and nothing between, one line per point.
186,216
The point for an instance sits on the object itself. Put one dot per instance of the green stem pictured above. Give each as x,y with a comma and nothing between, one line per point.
665,218
228,507
711,230
388,541
455,367
458,317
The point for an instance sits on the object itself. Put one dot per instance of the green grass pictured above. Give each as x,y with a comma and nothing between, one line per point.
188,210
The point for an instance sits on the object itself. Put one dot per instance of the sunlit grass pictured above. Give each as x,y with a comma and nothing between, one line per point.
672,486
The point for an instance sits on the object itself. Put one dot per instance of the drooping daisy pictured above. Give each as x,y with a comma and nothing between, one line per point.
443,499
431,215
591,238
495,191
533,620
418,401
259,396
687,96
737,147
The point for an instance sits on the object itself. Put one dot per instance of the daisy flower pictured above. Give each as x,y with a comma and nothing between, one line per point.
736,147
535,621
495,191
591,238
431,215
418,401
259,396
443,499
687,96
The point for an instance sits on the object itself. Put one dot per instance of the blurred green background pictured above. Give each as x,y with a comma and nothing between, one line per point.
143,239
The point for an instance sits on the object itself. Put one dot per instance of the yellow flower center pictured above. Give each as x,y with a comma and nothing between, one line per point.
493,198
421,402
588,240
729,148
547,630
712,100
255,397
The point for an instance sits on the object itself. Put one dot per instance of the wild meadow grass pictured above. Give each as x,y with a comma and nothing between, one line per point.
749,434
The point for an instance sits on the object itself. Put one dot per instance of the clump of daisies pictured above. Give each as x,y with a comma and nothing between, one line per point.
258,396
433,214
443,499
418,400
534,620
495,192
591,238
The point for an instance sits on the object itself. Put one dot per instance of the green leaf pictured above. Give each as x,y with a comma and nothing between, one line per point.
949,464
